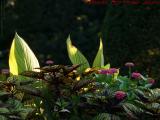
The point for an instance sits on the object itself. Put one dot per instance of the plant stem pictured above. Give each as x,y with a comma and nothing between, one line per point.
129,72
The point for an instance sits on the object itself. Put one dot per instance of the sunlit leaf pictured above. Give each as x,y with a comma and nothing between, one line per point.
82,83
76,56
21,57
107,66
99,59
116,74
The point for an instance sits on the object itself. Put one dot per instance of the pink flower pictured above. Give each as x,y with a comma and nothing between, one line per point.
129,64
5,71
49,62
108,71
103,71
151,81
113,70
136,75
120,95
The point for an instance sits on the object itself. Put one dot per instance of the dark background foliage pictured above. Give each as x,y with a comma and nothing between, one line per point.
129,32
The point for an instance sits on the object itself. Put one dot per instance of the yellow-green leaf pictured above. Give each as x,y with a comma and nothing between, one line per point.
99,59
107,66
76,56
116,74
21,57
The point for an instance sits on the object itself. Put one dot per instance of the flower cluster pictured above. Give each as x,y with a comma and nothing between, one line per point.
110,71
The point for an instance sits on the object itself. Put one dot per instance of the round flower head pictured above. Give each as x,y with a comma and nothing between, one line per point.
120,95
129,64
5,71
136,75
49,62
151,81
113,70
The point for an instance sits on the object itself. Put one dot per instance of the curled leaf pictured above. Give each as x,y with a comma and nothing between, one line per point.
76,56
21,57
99,59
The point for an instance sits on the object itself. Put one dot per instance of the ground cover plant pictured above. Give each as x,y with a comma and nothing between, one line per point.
74,92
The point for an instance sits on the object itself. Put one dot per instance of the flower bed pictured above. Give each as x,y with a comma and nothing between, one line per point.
74,92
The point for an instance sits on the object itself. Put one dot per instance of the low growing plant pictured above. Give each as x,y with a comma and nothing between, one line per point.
73,92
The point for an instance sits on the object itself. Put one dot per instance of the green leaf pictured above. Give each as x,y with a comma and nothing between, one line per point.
4,110
124,86
131,110
106,116
3,118
124,83
19,108
21,57
102,78
99,59
116,74
107,66
103,116
76,56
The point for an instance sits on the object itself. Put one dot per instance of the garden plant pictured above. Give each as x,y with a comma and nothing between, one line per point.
74,92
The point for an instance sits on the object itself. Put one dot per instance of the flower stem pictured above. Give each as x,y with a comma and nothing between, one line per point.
129,72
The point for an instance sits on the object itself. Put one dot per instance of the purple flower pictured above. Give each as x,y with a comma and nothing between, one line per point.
151,81
5,71
49,62
113,70
108,71
120,95
129,64
136,75
103,71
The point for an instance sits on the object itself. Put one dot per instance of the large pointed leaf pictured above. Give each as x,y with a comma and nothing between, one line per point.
21,57
76,56
99,59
